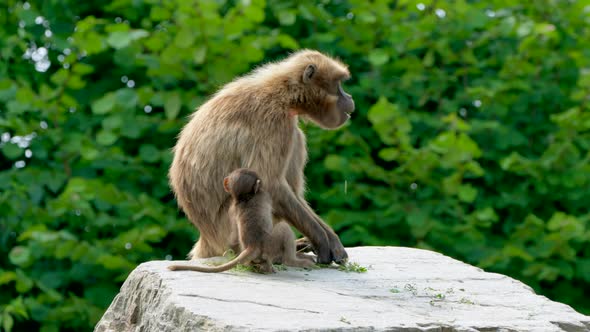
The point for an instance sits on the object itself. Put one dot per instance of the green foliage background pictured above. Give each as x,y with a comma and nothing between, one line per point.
471,135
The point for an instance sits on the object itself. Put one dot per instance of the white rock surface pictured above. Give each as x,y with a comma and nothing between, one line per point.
403,290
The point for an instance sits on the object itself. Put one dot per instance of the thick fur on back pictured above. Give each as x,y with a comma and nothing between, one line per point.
254,220
249,123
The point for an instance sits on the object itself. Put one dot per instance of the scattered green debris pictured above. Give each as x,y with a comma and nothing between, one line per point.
280,267
437,299
245,268
229,254
411,288
465,300
352,267
435,296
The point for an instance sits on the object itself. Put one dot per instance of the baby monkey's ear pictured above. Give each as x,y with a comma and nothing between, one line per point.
257,186
226,184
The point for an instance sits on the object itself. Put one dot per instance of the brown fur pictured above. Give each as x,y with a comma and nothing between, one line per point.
253,123
261,242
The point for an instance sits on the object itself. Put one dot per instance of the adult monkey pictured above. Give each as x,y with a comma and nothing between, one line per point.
252,123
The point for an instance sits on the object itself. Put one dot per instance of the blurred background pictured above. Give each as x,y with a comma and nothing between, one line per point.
471,135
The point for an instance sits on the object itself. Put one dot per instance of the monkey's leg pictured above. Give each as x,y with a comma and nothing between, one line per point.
266,268
215,237
284,247
305,257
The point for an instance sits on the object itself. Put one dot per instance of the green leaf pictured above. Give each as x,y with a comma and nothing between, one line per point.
334,162
91,43
20,256
378,57
7,90
184,37
82,68
7,276
172,105
158,13
11,150
389,154
287,17
419,222
287,41
200,54
138,34
127,98
121,39
89,153
114,121
104,104
392,126
254,13
60,77
106,137
149,153
23,283
112,262
467,193
486,215
7,322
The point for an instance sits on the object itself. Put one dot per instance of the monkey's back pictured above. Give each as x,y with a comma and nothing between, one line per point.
226,133
254,219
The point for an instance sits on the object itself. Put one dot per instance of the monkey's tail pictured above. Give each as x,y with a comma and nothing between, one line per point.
245,256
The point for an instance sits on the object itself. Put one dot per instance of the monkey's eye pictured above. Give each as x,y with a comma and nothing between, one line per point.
334,88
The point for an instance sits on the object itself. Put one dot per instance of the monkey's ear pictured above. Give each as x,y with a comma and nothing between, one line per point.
226,184
308,73
257,186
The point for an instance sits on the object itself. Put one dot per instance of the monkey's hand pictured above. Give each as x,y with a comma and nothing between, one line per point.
339,254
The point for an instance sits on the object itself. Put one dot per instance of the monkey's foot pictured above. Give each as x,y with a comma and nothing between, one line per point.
264,268
303,256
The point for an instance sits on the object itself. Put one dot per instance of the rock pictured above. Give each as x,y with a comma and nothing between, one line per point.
403,290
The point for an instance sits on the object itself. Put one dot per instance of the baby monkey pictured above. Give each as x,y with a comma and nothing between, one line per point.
261,243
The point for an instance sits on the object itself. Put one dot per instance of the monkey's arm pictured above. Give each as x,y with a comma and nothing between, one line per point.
296,180
339,254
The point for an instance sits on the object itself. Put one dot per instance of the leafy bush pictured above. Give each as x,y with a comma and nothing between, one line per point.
471,136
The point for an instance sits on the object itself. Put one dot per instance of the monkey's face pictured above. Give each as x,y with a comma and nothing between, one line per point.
332,105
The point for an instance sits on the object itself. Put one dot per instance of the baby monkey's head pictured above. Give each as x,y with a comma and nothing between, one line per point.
242,184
